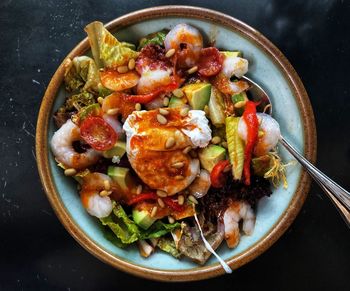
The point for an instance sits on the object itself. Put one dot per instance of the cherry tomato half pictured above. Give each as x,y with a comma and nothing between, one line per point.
210,62
98,133
217,177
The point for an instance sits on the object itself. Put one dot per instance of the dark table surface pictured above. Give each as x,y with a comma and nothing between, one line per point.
37,253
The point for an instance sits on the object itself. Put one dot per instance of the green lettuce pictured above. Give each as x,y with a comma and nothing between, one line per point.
107,51
153,38
126,230
78,101
81,74
167,245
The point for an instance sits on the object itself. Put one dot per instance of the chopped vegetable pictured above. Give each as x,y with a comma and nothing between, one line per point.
167,245
216,108
153,38
217,176
78,101
235,147
210,62
98,133
90,110
251,120
108,52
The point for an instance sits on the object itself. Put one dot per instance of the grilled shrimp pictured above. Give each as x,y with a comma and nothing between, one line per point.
200,185
237,211
96,205
187,41
62,147
270,133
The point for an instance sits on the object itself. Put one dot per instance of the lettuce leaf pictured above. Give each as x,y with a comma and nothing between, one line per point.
81,74
167,245
126,230
107,51
153,38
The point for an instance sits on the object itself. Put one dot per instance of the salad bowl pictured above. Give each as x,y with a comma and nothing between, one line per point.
292,109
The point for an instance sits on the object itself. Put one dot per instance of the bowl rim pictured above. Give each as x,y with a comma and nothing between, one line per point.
197,273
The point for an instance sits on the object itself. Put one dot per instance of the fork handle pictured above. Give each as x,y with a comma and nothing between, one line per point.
338,195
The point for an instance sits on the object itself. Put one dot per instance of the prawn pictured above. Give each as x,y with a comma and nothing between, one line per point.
95,204
237,211
200,185
187,41
269,133
64,152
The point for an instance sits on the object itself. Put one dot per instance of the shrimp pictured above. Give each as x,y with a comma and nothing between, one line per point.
237,211
62,148
269,133
96,205
187,41
200,185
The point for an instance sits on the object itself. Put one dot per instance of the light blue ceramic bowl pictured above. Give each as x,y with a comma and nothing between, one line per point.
269,68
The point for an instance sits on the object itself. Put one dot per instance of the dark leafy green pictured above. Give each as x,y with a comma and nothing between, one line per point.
153,38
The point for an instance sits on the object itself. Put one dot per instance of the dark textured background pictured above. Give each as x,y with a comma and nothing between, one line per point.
37,253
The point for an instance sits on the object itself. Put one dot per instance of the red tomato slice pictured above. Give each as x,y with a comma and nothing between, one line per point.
115,81
98,133
217,177
210,62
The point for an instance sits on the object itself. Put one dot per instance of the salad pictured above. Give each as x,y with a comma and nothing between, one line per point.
167,149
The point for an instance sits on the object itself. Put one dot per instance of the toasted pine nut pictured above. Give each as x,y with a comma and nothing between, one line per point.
70,172
139,189
122,69
178,165
170,53
131,64
163,111
100,100
178,93
184,111
107,185
170,142
166,101
160,202
192,70
216,140
154,211
224,144
180,199
161,119
192,199
137,106
179,177
161,193
112,111
105,193
187,150
171,219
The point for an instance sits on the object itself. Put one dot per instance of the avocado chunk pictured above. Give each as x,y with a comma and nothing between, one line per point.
210,156
176,102
142,218
197,94
118,149
216,108
122,177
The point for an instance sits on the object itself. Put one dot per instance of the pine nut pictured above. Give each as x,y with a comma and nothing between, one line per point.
154,211
240,104
105,193
206,109
122,69
184,111
178,165
160,202
107,185
187,150
161,193
100,100
224,144
163,111
179,177
166,101
171,220
137,106
170,142
178,93
139,189
161,119
192,70
70,172
192,199
170,53
261,133
112,111
216,140
180,199
131,64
